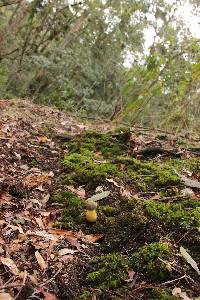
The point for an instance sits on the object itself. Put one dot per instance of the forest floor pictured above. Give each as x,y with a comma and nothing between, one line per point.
145,243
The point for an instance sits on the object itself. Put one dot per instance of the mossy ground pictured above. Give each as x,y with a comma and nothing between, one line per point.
139,233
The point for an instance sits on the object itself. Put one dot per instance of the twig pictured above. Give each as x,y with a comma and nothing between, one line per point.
171,281
4,138
51,279
11,285
172,198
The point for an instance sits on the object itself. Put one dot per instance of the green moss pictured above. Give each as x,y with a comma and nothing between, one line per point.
191,164
184,214
108,271
119,223
151,176
95,142
109,211
73,212
86,295
164,294
83,169
146,260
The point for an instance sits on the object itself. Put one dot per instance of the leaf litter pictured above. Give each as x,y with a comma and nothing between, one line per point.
32,252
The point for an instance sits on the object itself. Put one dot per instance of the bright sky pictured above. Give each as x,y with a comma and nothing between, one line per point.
191,21
185,12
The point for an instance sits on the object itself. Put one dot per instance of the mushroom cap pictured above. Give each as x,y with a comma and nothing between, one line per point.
91,205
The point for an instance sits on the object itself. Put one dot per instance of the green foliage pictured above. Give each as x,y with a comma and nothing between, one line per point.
108,271
146,259
78,61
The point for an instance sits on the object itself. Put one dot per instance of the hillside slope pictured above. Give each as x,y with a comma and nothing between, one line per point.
145,241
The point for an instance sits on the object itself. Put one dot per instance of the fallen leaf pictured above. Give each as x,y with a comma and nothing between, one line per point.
17,155
131,275
65,258
114,182
92,238
190,182
179,294
41,233
73,241
187,192
99,189
40,222
8,262
189,259
79,191
125,192
64,232
5,296
5,197
43,139
176,291
99,196
49,296
37,180
45,199
66,251
40,260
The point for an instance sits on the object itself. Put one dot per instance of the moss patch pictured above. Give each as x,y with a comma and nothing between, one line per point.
108,271
185,214
73,212
82,168
146,259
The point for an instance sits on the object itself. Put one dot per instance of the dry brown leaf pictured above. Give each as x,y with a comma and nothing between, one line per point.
125,192
114,182
5,296
8,262
79,191
40,260
92,238
99,189
181,295
65,258
131,275
66,251
49,296
43,139
155,197
73,241
5,197
64,232
40,222
36,180
176,291
45,199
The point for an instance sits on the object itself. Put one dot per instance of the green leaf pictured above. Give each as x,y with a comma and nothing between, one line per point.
99,196
189,259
